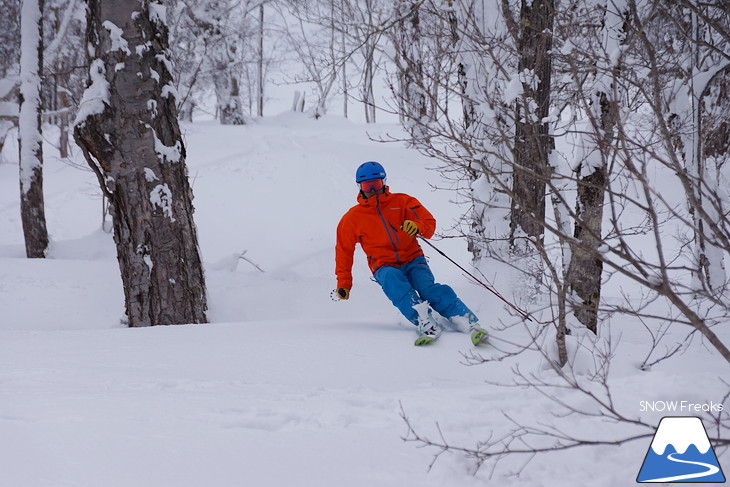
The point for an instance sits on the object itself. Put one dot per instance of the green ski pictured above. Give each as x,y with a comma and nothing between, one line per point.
479,336
424,340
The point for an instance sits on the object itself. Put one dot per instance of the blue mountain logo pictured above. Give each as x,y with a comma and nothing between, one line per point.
681,452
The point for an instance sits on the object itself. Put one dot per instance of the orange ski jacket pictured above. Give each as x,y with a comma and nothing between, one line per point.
375,224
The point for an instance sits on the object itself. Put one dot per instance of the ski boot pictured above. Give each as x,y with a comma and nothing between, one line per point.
428,331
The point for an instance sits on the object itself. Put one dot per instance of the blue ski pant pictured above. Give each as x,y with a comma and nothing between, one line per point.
414,283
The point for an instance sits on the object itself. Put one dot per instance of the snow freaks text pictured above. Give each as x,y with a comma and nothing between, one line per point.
687,407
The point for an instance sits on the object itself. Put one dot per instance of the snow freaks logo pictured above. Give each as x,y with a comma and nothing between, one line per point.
681,452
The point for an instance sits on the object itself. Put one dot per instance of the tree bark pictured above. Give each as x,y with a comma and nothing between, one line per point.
533,142
32,210
368,95
713,141
229,96
412,97
585,268
133,143
260,87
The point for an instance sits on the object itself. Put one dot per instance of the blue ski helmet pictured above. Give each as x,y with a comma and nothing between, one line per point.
369,170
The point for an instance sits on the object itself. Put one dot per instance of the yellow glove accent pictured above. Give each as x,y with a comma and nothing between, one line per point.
343,293
410,227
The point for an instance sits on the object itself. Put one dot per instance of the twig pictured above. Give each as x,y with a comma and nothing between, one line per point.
242,256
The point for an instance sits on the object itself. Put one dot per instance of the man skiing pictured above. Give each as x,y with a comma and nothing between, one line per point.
385,225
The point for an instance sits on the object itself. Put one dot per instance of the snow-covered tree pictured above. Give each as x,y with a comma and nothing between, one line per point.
593,59
533,141
128,130
222,44
64,60
210,40
9,37
310,32
609,106
407,39
697,103
9,64
221,50
30,129
363,25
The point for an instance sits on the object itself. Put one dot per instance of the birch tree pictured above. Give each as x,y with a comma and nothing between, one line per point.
32,209
128,131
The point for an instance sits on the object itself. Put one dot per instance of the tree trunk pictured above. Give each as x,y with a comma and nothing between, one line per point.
63,124
260,91
467,105
712,139
533,142
32,211
228,96
128,130
343,74
368,95
411,96
586,267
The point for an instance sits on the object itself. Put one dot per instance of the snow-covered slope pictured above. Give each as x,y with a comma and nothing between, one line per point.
284,387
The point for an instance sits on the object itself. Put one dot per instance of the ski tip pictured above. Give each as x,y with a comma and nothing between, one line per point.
479,337
424,341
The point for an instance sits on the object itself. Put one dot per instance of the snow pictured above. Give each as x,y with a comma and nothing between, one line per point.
30,90
119,43
285,386
150,175
152,107
513,90
142,48
167,153
161,197
158,13
7,85
164,59
96,96
169,90
8,109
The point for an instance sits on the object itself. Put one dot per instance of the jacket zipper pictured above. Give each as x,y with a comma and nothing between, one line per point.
387,230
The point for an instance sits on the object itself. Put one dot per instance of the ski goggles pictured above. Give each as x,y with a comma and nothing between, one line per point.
372,185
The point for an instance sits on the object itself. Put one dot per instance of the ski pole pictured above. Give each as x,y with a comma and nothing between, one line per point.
524,314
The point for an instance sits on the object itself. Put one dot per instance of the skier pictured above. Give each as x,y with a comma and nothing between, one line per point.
385,225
